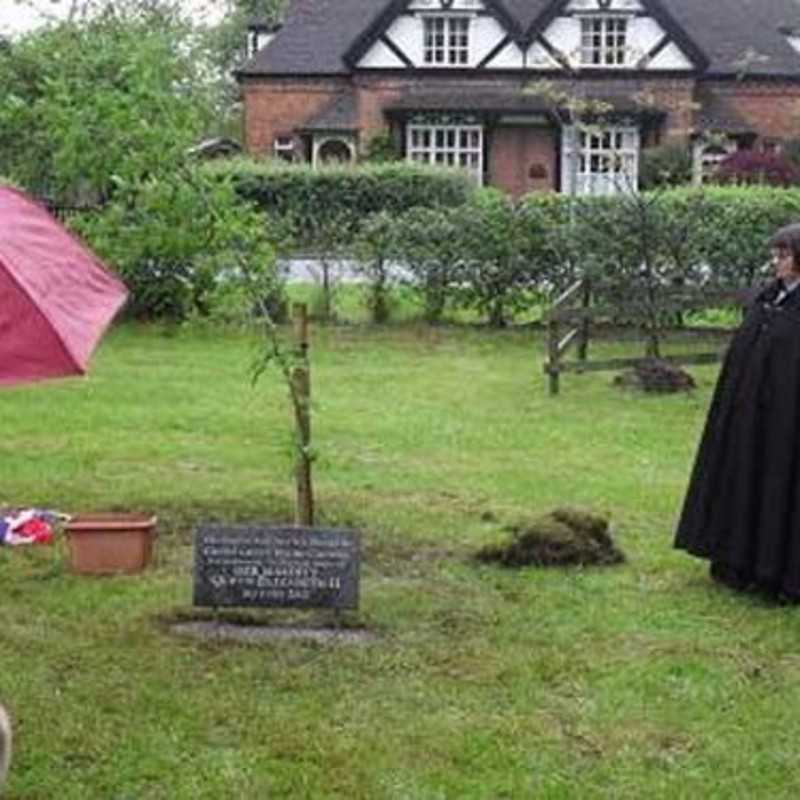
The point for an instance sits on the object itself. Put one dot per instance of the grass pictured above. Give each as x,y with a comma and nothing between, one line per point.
642,680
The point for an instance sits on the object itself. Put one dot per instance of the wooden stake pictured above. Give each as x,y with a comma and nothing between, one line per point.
301,396
586,301
553,354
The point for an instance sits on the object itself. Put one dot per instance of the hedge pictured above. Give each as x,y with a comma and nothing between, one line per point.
332,202
476,248
498,256
714,234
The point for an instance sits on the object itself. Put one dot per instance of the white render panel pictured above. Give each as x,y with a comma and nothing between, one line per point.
671,57
432,6
644,33
485,34
406,33
564,33
379,56
510,57
615,5
538,58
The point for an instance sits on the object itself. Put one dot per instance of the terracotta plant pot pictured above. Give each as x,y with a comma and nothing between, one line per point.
106,544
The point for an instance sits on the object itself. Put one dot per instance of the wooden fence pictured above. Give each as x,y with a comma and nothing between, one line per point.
573,314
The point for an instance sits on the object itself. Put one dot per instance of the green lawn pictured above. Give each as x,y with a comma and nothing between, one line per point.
639,681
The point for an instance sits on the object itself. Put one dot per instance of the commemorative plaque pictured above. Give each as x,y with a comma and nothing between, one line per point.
247,565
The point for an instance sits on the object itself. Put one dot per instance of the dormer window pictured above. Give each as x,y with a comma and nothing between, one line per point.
792,37
259,35
445,41
604,41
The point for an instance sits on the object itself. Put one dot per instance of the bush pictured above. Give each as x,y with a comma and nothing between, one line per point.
428,242
751,167
175,240
502,266
381,149
791,151
376,249
664,166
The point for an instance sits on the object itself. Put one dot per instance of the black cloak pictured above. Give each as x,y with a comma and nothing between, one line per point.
742,507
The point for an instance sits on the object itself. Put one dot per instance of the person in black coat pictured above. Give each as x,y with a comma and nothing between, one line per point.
742,507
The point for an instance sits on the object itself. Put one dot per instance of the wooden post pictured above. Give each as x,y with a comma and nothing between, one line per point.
586,300
301,396
553,354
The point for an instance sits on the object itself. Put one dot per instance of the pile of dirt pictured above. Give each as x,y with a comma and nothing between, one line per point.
655,375
564,537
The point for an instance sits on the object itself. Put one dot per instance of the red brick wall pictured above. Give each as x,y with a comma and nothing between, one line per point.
771,109
374,94
276,107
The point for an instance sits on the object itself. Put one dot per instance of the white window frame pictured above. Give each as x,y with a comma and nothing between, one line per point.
447,145
708,155
283,148
604,41
446,40
600,159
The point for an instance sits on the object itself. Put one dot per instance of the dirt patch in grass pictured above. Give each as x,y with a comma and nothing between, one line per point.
655,375
564,537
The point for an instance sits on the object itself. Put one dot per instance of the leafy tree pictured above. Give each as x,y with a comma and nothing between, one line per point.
177,239
229,37
102,109
119,95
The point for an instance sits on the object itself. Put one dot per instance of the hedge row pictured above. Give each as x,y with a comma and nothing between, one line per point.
463,246
328,204
500,257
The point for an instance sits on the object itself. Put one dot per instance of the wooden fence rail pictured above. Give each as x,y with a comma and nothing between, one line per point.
570,319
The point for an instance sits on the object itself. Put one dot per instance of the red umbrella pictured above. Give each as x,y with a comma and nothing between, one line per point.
56,297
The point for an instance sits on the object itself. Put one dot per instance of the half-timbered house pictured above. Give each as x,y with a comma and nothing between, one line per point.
528,95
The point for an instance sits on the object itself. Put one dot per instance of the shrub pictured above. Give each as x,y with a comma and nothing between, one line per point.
667,165
428,242
174,239
376,249
791,151
502,265
382,148
751,167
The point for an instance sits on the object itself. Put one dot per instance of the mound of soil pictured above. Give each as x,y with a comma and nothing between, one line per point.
564,537
655,375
